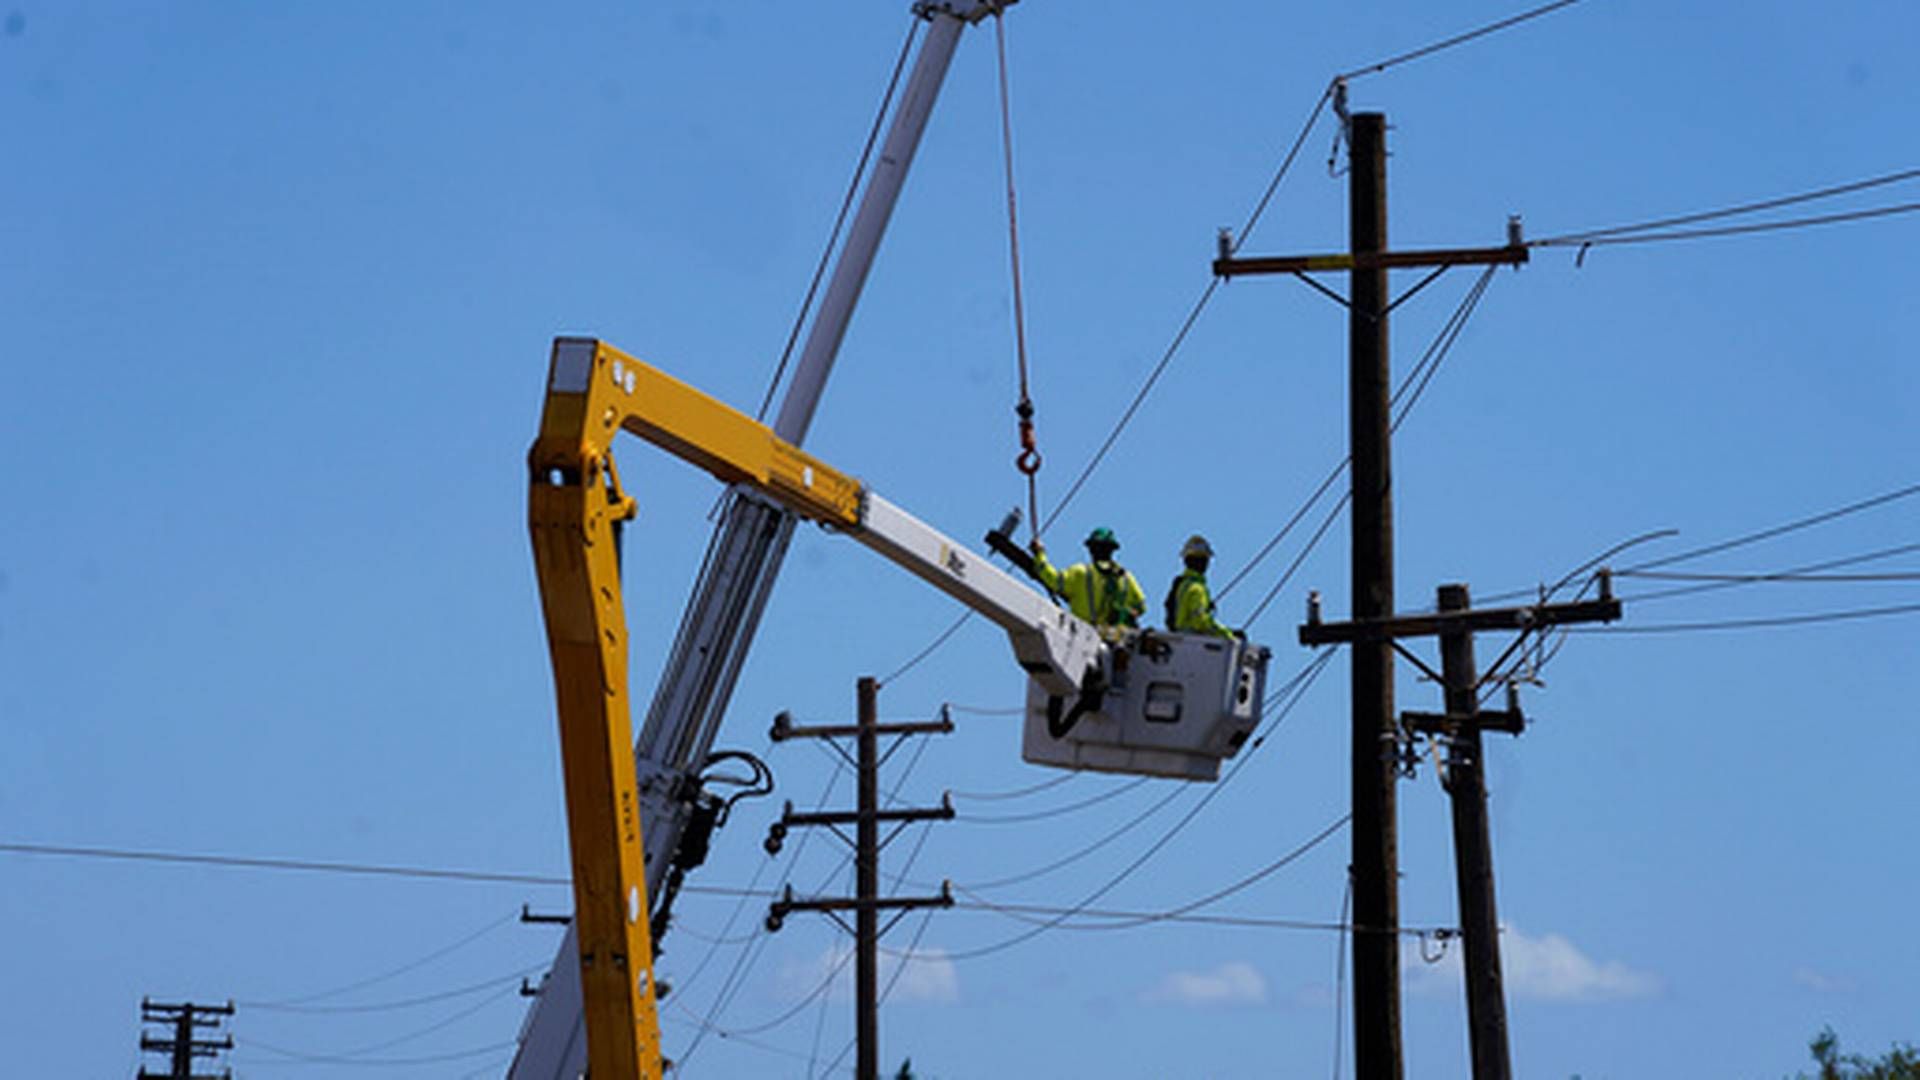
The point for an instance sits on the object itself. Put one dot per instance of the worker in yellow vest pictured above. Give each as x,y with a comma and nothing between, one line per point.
1189,603
1100,591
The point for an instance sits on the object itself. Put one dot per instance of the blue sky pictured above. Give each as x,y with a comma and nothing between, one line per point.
277,289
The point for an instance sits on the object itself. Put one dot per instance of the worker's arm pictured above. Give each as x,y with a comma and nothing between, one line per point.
1044,571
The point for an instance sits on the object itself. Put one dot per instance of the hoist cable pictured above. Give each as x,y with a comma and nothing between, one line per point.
1028,460
840,220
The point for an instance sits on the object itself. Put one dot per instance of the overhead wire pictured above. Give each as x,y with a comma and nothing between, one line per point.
1733,230
1135,920
1458,39
1020,792
1340,975
297,1057
840,219
1318,665
252,863
1082,851
1732,211
1055,811
391,1006
1781,530
1085,850
1808,573
295,1003
1751,624
750,954
893,979
976,710
1411,387
1788,576
439,1025
694,1022
1193,316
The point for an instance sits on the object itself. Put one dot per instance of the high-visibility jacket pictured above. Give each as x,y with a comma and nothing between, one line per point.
1190,606
1104,593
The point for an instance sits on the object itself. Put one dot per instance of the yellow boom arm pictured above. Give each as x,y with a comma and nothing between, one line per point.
594,391
574,507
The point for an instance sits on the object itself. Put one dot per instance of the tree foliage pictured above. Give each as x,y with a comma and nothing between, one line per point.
1902,1062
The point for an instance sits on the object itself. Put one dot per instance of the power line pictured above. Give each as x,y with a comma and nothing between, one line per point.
1018,793
299,1058
1736,230
389,1006
1057,811
1545,593
1083,851
1138,919
438,1025
1781,530
285,864
1809,572
1756,623
976,710
1303,683
931,647
1727,545
292,1004
1786,576
749,954
1591,235
692,1021
1458,39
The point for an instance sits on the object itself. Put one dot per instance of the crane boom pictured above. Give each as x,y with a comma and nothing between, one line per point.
575,509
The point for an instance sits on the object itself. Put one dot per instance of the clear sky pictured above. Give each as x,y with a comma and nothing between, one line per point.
277,285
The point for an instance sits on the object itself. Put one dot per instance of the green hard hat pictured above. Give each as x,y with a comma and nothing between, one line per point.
1102,535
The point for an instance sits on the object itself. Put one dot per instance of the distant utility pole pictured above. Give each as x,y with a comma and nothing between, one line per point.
867,903
1460,726
181,1022
1375,740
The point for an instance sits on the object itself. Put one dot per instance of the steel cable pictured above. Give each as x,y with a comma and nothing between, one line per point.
840,219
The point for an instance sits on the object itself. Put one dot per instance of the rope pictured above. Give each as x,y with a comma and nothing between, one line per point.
1028,461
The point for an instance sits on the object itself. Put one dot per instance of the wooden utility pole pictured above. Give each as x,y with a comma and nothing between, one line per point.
184,1045
867,902
1466,783
1375,733
1376,844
